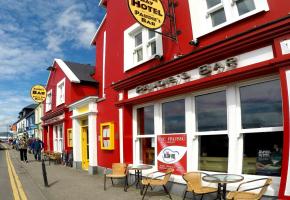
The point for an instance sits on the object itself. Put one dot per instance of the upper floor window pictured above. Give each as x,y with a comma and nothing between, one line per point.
48,101
60,92
140,45
210,15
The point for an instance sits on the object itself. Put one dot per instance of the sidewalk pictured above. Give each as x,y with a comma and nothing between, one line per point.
67,183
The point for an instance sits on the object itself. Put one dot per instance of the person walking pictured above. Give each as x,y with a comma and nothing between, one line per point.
23,149
37,147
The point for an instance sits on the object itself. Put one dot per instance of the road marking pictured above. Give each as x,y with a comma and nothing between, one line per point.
19,189
12,181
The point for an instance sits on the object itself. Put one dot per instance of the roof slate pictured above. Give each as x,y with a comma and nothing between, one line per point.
82,71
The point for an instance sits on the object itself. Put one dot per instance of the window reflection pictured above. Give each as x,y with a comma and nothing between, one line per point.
213,153
147,151
211,111
261,105
145,120
173,116
263,153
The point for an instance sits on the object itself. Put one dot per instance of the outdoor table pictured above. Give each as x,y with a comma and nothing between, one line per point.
222,180
138,168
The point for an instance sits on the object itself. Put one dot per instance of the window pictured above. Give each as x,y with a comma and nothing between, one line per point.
140,45
213,153
211,111
69,138
145,132
58,138
261,105
173,117
60,92
262,125
215,14
48,101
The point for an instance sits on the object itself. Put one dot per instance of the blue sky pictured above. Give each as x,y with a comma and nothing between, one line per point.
32,34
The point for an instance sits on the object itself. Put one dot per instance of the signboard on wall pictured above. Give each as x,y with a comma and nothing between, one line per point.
38,93
171,151
149,13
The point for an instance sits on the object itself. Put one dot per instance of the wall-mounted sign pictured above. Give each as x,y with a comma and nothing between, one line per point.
172,153
38,93
218,67
164,83
149,13
107,136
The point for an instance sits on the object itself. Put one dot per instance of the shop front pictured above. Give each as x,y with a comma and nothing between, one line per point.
229,116
84,134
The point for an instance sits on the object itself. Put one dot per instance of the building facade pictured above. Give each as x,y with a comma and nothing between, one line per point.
67,83
38,122
218,94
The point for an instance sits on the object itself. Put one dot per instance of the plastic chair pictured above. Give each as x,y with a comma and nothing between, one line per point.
193,181
156,181
119,171
242,194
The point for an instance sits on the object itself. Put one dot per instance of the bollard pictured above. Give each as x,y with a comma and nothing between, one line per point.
44,173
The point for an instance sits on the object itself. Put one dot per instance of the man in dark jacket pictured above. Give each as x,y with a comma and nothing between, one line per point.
37,147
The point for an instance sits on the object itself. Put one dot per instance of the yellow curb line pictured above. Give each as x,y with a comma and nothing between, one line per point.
20,192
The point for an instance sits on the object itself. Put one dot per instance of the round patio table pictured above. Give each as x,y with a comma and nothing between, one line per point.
138,168
222,180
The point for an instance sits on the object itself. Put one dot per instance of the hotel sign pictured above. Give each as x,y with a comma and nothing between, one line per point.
38,93
149,13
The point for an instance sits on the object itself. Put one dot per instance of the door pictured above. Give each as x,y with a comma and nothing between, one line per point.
85,148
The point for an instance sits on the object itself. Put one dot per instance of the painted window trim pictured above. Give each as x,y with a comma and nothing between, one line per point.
198,15
129,46
58,101
48,108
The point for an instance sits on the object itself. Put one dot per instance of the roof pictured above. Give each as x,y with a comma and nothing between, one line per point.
31,106
83,72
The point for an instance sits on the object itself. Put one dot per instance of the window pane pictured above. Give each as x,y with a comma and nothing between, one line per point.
138,39
153,48
263,153
245,6
139,53
211,3
211,111
173,116
261,105
151,34
145,120
218,17
213,153
147,151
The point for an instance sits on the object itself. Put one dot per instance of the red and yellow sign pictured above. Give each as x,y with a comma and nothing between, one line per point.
149,13
171,150
38,93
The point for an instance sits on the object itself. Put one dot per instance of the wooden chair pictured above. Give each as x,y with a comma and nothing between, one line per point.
193,181
160,180
119,171
242,194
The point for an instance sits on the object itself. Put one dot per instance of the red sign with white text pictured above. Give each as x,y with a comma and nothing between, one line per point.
172,153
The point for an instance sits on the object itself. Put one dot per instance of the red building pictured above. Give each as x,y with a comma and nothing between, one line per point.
67,83
214,87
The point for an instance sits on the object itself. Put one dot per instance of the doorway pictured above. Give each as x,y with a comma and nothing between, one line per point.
85,147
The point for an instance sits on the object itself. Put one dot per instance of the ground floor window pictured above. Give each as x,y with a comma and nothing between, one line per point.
238,125
58,138
213,153
263,153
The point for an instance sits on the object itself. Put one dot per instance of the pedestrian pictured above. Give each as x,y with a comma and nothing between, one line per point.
37,147
23,149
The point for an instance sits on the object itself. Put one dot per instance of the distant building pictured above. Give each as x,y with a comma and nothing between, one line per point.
38,122
25,123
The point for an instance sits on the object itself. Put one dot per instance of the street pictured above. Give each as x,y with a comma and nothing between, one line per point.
5,186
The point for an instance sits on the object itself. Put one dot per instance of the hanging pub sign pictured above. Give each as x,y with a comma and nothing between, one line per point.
172,153
38,93
149,13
